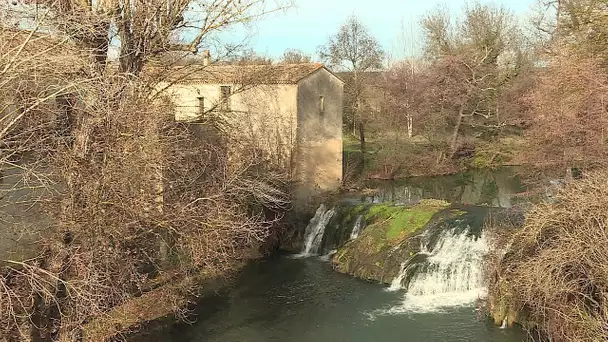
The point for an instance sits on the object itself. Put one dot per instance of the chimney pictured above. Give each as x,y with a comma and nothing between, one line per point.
206,57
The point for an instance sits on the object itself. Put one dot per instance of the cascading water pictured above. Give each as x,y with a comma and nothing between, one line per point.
450,275
315,229
504,324
396,283
357,228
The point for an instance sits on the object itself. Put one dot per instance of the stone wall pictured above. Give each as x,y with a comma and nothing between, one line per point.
261,117
319,161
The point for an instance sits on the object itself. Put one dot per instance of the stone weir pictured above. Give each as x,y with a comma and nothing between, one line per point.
390,236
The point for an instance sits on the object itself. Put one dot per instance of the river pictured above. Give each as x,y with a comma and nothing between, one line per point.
495,188
300,298
286,299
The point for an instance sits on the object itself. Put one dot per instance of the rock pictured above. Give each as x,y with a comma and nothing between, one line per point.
390,238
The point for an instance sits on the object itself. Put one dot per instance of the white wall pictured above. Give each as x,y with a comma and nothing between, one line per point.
285,121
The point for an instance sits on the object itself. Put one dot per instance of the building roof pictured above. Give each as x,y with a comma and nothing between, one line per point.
36,41
43,51
244,74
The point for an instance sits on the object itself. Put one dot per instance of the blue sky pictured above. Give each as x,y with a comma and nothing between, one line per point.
310,22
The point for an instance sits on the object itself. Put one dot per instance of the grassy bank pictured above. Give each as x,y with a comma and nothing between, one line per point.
396,159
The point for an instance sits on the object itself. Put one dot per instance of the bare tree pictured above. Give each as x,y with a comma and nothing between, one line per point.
144,29
123,178
472,61
439,33
248,57
355,50
568,113
403,93
295,56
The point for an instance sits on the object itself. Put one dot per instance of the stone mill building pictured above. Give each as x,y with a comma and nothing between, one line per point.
291,112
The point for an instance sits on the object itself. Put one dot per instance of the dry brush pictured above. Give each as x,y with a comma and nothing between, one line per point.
552,270
131,196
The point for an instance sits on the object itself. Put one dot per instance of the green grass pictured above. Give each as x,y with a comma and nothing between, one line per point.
401,221
408,221
373,255
351,144
381,211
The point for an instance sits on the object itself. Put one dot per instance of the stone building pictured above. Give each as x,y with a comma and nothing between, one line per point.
291,113
24,180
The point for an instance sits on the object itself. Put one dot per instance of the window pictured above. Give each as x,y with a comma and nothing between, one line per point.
201,106
321,104
225,93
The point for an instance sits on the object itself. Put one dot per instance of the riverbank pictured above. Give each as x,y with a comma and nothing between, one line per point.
418,157
169,302
550,273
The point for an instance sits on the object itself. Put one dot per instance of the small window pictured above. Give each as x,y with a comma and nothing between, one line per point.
225,93
201,106
322,104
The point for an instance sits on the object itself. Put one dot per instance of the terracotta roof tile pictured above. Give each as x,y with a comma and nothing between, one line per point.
244,74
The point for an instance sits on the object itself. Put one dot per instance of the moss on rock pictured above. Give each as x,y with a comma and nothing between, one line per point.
390,237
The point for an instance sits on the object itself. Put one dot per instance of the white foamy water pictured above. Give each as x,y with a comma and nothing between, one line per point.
313,236
450,276
328,256
357,228
396,283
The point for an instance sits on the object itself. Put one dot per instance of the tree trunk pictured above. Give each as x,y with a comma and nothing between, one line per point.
362,146
362,136
130,61
454,141
410,126
439,157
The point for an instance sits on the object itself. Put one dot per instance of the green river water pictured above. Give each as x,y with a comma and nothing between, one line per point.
304,300
301,300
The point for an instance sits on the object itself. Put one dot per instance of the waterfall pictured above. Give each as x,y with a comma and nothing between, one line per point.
315,229
449,275
504,324
328,256
357,228
396,283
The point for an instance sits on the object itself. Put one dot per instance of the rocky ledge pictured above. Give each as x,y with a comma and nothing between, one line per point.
391,237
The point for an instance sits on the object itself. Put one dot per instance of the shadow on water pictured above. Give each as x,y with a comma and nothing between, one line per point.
285,299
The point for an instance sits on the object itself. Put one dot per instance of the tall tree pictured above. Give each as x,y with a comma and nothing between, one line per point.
142,28
568,110
471,62
355,50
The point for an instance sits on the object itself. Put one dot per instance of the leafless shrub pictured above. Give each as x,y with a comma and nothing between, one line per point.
130,193
140,195
570,116
554,267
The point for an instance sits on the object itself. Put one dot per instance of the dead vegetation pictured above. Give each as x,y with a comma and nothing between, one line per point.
553,271
134,200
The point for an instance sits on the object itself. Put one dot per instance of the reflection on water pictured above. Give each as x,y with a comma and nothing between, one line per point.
287,299
303,299
494,188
